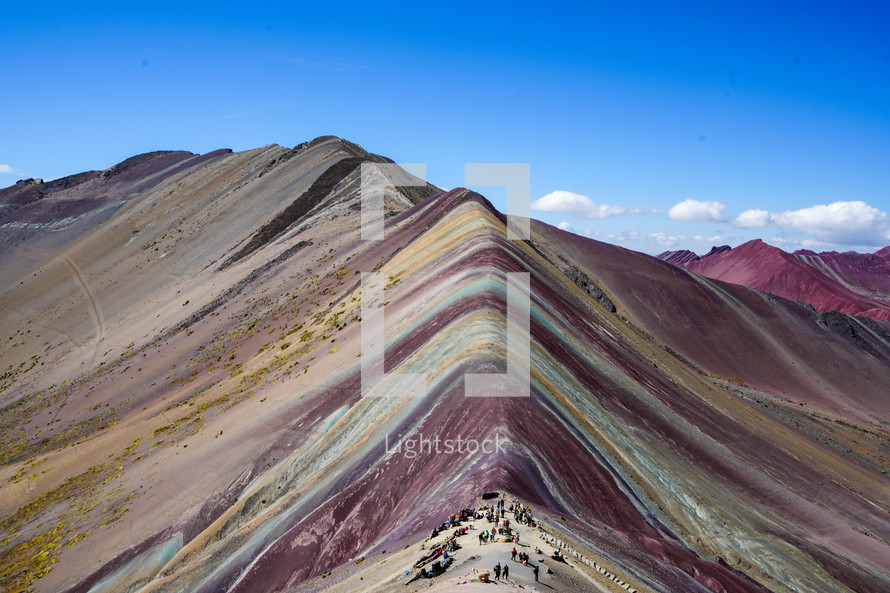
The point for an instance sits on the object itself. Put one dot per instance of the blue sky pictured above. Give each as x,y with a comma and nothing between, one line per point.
644,124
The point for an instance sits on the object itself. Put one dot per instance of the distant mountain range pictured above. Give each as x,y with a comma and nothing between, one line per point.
852,283
183,407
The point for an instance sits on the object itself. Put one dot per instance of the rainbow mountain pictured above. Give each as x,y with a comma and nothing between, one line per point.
182,405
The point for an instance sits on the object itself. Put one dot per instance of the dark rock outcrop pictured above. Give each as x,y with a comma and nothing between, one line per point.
589,286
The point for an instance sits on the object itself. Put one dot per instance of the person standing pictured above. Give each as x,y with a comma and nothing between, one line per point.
535,571
506,571
513,554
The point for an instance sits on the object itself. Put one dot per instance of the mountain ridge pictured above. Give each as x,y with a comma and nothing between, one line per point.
852,283
675,430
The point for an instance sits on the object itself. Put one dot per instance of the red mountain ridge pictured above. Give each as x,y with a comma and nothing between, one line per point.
851,283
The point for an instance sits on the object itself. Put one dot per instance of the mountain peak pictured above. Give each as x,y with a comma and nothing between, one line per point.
717,250
678,258
850,283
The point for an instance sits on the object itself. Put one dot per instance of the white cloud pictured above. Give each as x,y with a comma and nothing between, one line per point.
854,223
751,218
815,244
622,237
665,241
791,245
571,203
562,201
565,226
851,223
6,169
690,210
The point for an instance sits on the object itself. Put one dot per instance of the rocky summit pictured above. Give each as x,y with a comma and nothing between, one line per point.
183,405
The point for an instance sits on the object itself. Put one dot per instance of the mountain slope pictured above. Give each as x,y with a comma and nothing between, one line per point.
209,432
852,283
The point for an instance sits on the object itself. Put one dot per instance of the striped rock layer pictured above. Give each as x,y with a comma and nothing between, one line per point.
183,407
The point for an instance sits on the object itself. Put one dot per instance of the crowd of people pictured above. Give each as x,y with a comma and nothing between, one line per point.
442,554
454,520
523,514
